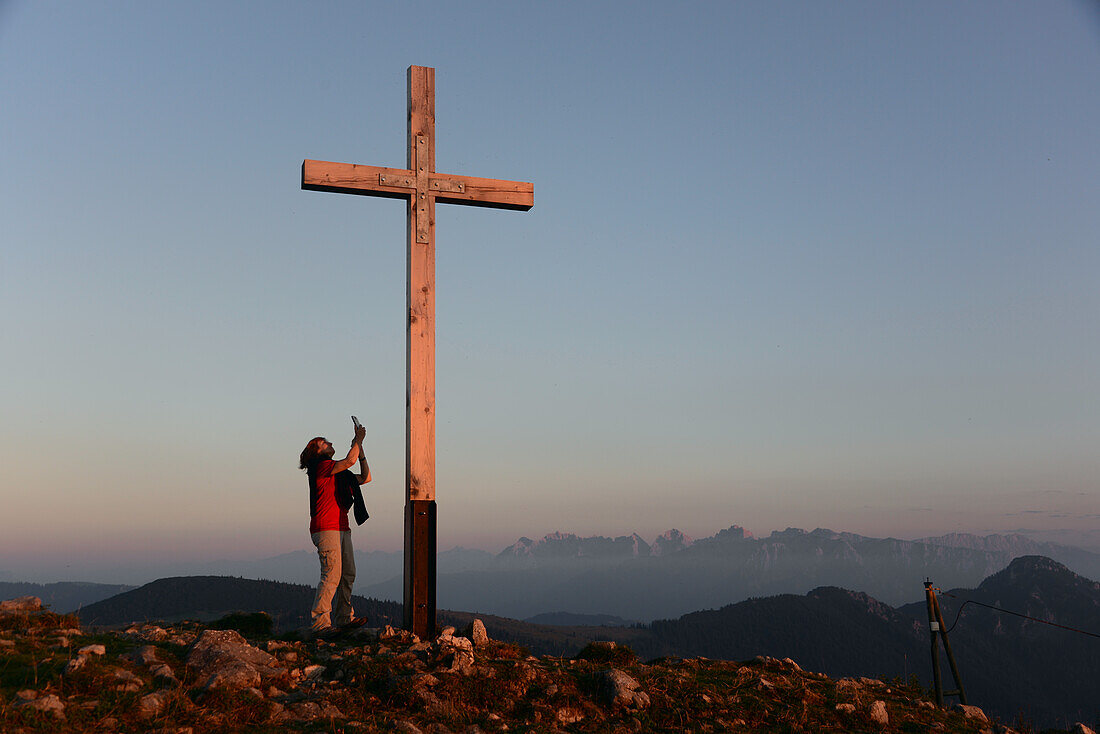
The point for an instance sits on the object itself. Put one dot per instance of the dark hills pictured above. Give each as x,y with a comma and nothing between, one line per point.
205,598
1046,672
1009,665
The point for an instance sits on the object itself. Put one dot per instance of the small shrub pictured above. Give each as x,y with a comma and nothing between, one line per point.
39,621
607,654
249,624
505,650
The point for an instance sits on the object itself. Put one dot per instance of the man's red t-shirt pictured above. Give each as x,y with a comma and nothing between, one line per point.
324,512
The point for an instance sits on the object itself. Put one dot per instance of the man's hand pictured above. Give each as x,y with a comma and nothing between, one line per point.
360,434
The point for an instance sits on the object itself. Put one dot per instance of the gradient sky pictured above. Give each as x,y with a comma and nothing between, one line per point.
790,264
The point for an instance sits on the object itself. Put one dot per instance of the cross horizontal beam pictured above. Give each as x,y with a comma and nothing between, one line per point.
400,183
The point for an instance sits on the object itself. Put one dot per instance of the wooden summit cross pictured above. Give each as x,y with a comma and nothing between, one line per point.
421,187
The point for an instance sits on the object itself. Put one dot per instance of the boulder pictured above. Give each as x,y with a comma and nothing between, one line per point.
47,704
127,682
619,689
878,713
75,664
92,650
454,654
151,706
476,632
970,712
164,675
227,661
21,605
144,655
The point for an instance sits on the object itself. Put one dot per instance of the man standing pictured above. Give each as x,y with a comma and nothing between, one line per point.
329,529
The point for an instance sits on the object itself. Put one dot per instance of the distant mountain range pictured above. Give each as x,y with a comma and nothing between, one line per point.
630,578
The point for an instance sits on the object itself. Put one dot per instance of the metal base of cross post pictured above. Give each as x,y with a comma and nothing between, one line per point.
419,607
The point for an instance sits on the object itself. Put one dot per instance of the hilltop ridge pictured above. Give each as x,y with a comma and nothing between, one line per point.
1008,664
188,675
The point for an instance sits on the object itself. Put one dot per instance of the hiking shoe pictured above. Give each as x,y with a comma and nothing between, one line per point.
355,623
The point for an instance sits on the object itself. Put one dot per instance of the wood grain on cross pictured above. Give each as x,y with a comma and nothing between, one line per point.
422,187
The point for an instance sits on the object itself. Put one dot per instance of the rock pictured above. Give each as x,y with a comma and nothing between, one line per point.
313,671
228,661
406,727
151,706
47,704
427,680
27,694
75,664
447,631
476,632
1080,728
872,682
149,632
276,712
144,655
92,650
306,711
791,664
878,713
7,643
233,674
568,715
164,675
127,682
846,708
21,605
455,654
970,712
619,689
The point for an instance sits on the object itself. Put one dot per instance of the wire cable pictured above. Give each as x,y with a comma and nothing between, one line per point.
1009,611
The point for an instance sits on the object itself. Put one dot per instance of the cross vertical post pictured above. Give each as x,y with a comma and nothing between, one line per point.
420,509
421,187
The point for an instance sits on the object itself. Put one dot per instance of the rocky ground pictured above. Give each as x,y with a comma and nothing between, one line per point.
183,678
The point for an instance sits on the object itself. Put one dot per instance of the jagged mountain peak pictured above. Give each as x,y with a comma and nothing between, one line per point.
558,545
669,542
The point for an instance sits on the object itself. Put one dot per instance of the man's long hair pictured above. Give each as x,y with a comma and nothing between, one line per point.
311,454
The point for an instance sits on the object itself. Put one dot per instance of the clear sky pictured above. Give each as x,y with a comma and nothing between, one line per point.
790,264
